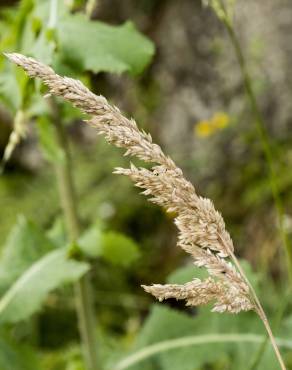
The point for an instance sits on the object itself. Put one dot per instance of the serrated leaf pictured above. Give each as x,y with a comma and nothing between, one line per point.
27,294
108,48
26,243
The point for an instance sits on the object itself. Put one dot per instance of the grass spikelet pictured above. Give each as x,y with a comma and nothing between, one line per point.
18,133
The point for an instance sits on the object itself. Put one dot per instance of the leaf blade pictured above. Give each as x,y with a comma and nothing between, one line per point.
28,293
195,340
114,49
25,244
119,249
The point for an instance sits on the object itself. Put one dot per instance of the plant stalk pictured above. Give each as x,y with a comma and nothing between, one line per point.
260,311
257,304
84,304
278,317
271,336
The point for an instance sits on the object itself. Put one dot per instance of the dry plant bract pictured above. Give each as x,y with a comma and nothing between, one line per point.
202,231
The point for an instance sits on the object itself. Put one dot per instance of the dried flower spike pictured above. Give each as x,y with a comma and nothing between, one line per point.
201,228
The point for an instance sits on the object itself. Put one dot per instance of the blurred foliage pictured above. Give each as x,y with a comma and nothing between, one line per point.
29,291
34,262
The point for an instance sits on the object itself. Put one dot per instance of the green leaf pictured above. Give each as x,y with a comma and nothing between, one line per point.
43,48
27,294
26,243
14,24
119,249
57,233
10,94
116,248
36,39
108,48
15,87
90,242
17,357
47,139
197,340
165,324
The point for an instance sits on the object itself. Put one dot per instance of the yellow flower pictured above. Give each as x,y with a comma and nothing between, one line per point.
220,120
205,128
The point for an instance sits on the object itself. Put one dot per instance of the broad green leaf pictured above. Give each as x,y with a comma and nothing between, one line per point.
108,48
90,242
164,323
194,341
57,233
47,139
27,294
116,248
119,249
26,243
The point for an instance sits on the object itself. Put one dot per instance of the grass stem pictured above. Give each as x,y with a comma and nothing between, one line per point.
260,311
277,321
84,304
257,304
